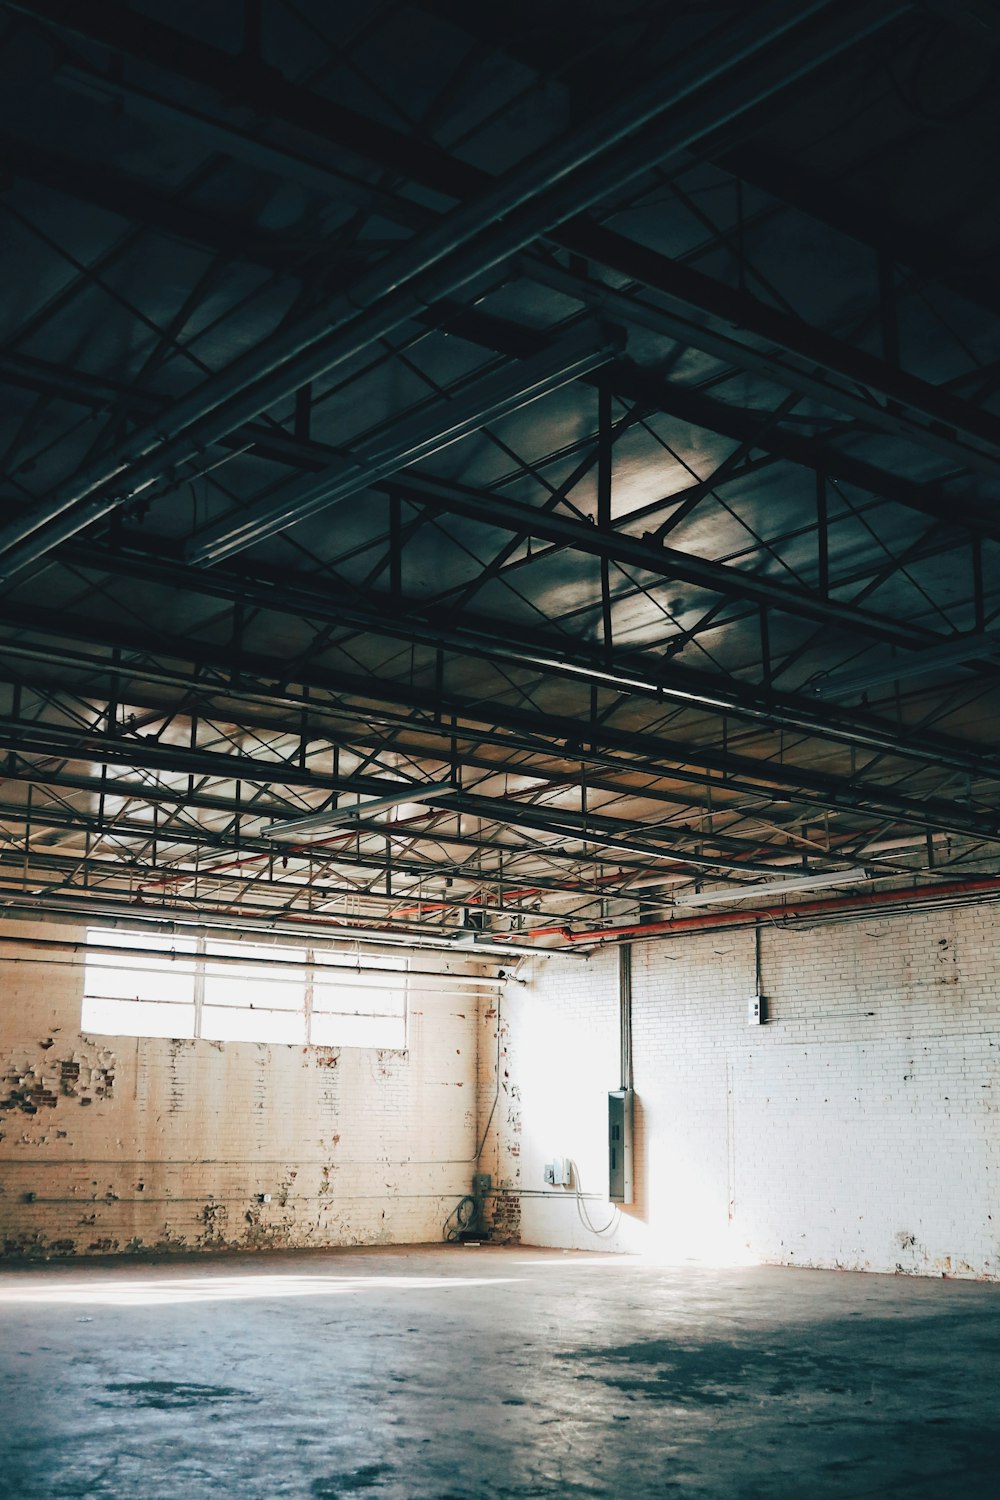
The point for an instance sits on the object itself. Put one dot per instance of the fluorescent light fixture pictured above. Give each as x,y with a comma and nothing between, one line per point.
776,887
914,664
419,791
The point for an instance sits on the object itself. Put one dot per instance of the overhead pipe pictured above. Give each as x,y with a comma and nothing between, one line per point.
784,861
597,830
818,788
495,225
24,905
797,783
625,1014
853,875
686,686
478,899
224,960
942,893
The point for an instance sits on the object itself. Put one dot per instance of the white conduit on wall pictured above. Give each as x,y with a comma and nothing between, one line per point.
315,934
413,976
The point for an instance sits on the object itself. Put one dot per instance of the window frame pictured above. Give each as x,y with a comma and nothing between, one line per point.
315,962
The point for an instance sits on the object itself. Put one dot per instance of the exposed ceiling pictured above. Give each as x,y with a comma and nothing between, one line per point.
590,407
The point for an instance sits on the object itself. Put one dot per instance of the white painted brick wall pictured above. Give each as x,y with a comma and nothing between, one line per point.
859,1128
355,1146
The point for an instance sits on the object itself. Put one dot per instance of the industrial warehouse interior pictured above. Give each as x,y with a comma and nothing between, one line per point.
499,723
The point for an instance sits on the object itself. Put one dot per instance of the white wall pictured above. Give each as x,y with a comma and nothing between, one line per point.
858,1129
131,1144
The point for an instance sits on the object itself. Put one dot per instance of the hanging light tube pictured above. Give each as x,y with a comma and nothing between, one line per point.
853,876
420,791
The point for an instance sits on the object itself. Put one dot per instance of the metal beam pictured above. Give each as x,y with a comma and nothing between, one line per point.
661,681
264,439
958,653
647,753
269,441
697,92
133,199
608,833
816,790
43,738
815,454
649,556
531,521
254,852
835,203
456,414
286,165
810,361
750,426
247,83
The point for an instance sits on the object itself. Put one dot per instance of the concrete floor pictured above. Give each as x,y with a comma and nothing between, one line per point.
462,1374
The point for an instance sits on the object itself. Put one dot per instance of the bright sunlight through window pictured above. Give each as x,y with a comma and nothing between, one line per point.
242,992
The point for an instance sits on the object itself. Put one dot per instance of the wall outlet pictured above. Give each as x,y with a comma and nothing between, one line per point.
263,1197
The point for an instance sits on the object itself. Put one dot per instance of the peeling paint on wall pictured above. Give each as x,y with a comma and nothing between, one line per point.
28,1085
350,1146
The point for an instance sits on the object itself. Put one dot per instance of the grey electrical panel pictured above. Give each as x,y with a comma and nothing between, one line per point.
620,1177
757,1010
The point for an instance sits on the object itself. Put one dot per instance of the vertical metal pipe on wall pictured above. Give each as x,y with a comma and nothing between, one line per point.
625,1013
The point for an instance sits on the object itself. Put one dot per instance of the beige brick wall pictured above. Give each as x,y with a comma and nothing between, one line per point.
110,1144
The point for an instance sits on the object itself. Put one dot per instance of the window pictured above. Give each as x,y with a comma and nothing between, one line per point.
242,992
147,994
355,1008
255,997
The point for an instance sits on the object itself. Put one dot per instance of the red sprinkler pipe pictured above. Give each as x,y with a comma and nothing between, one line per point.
474,901
771,913
504,937
477,900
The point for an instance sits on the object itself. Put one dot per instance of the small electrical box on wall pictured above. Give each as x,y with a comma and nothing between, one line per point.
557,1173
757,1010
620,1183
